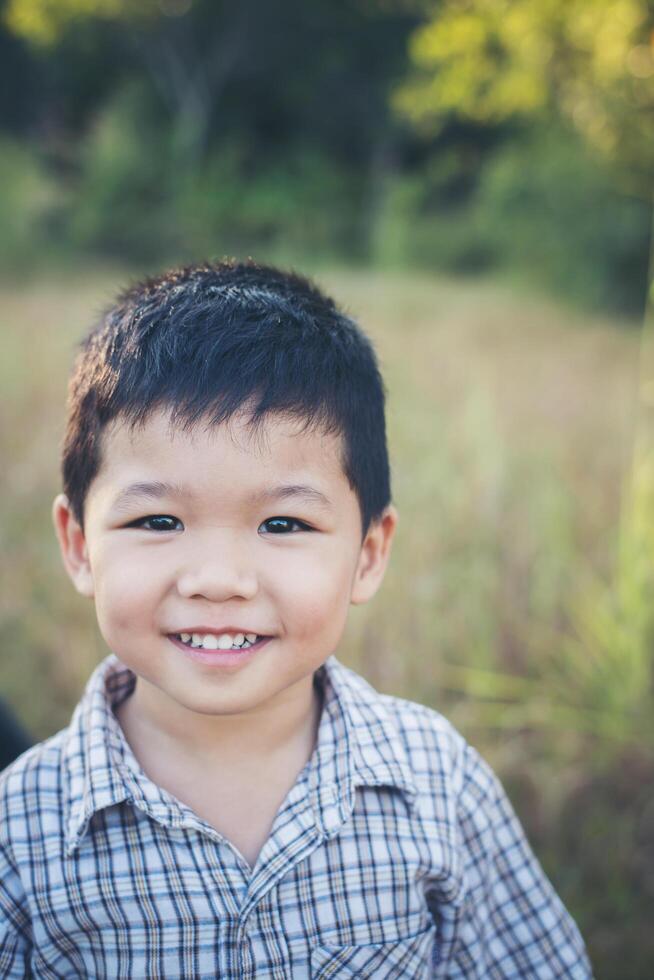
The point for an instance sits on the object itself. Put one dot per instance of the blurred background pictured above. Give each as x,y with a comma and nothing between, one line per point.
473,181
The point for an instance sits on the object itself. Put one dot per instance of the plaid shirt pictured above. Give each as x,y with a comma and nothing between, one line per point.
395,854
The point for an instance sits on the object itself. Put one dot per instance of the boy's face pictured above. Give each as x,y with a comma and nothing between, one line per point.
213,559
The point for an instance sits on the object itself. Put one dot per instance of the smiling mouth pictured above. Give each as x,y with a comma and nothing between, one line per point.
224,641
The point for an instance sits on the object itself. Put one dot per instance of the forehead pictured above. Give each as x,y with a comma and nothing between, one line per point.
277,447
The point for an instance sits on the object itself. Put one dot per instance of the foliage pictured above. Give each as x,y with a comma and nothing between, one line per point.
607,668
284,206
129,199
27,205
119,204
590,688
543,206
44,21
173,128
549,207
592,60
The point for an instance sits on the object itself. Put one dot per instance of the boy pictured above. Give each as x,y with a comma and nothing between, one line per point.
228,800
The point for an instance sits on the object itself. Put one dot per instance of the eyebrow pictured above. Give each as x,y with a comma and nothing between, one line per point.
293,491
156,490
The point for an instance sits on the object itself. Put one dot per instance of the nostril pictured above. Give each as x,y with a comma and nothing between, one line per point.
217,584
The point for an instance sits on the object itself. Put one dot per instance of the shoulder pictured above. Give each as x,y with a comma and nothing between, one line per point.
31,789
419,722
38,766
437,748
434,749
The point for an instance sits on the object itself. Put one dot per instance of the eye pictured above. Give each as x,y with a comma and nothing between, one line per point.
158,522
284,525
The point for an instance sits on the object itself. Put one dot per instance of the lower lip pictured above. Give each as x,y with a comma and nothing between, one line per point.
221,658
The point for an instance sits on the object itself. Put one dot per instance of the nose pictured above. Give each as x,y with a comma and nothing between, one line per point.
216,571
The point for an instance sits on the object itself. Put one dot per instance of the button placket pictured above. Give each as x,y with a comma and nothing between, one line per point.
244,948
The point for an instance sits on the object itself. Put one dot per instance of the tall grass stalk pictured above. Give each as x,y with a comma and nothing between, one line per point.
596,678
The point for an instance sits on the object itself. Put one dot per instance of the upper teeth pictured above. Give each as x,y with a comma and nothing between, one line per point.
223,641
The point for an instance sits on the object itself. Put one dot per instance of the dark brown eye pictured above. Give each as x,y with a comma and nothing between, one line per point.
284,525
159,522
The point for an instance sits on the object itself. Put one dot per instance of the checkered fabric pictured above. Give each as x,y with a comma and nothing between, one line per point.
394,855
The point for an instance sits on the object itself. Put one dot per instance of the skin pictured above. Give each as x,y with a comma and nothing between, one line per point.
218,563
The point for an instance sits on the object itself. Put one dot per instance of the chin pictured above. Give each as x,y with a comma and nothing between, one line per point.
217,707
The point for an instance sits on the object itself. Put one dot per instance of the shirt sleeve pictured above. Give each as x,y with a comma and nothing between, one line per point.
15,930
511,924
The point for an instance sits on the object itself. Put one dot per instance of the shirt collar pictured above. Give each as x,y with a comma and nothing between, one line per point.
358,744
94,750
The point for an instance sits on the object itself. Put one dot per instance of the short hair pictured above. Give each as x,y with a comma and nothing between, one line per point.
211,340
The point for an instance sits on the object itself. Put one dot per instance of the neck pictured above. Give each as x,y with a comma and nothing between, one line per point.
289,723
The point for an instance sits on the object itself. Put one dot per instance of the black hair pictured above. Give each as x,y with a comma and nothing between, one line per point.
210,340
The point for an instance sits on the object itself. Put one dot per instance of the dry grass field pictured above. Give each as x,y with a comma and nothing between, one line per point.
511,426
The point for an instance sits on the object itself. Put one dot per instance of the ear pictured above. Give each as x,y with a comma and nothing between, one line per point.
375,552
73,546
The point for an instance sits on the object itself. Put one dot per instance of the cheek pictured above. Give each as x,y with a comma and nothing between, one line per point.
315,594
125,593
119,610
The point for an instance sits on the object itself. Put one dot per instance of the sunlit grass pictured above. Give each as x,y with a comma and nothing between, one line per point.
512,603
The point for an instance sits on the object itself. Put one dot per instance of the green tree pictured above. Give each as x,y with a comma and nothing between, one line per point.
266,72
188,69
43,21
591,61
